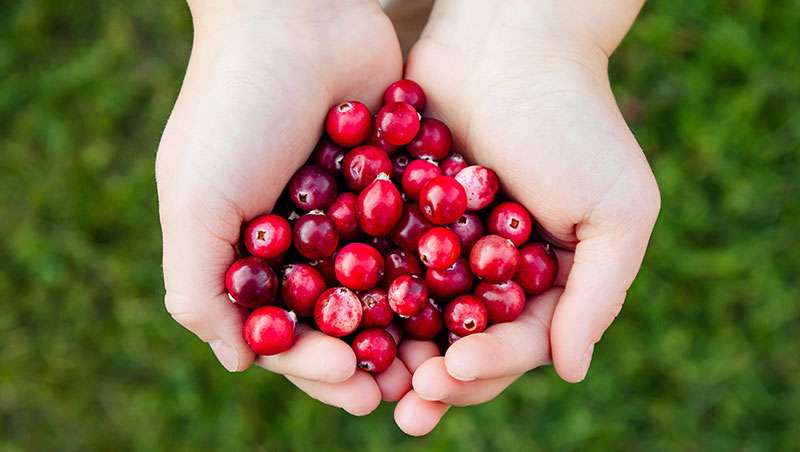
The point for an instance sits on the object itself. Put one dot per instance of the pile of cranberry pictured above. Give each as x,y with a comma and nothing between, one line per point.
385,225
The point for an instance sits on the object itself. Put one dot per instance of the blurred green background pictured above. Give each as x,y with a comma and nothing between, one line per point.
706,355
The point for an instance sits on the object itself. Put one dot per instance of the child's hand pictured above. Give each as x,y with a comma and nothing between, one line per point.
261,78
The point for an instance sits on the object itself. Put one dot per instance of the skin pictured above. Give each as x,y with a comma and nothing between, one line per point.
523,86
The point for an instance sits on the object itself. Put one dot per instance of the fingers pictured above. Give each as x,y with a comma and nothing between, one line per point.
416,416
394,382
565,259
432,382
358,395
314,356
413,353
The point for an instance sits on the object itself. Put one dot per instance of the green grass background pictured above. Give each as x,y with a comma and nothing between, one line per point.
706,355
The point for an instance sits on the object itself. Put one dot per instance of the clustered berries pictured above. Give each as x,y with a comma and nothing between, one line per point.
386,225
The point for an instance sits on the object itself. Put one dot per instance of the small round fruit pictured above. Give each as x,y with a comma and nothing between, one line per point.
327,268
312,188
375,350
398,263
379,206
376,140
466,315
338,312
481,185
504,301
442,200
494,258
425,325
510,220
315,235
454,280
400,162
397,123
269,330
408,295
359,266
382,244
433,140
538,268
251,282
268,236
342,212
376,309
410,227
439,248
362,165
469,229
328,155
348,123
406,91
454,163
301,286
418,173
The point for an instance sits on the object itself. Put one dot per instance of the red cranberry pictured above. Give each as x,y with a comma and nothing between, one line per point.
398,263
538,267
504,301
453,280
400,162
443,200
452,337
406,91
410,227
251,282
379,207
375,350
300,287
363,164
439,248
315,235
466,315
382,244
408,295
348,123
375,139
494,258
418,173
338,312
433,140
328,155
269,330
425,325
481,185
453,164
469,229
312,188
327,268
343,214
359,266
397,123
268,236
510,220
376,309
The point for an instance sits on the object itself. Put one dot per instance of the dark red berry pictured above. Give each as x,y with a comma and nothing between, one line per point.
439,248
538,268
328,155
363,164
315,235
425,325
348,123
397,123
338,312
418,173
379,206
433,140
452,337
251,282
407,294
269,330
301,285
406,91
494,259
510,220
327,268
375,350
454,163
398,263
443,200
410,227
359,266
376,140
466,315
268,236
342,212
454,280
400,162
376,309
469,229
382,244
504,301
312,188
481,185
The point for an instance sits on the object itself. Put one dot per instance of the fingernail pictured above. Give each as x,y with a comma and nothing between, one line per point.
226,354
586,360
461,372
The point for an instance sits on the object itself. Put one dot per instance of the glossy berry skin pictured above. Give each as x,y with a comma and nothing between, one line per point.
439,248
481,185
315,235
251,282
538,268
382,244
418,173
410,227
425,325
408,295
375,350
397,123
376,309
400,162
466,315
454,163
268,236
504,301
406,91
328,155
378,141
398,263
469,229
359,266
338,312
379,206
327,268
494,259
342,212
433,141
510,220
362,165
442,200
348,123
454,280
301,285
269,330
312,188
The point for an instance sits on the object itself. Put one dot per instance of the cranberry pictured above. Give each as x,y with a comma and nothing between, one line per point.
375,139
439,248
406,91
376,309
251,282
453,164
537,268
433,140
398,263
418,173
328,155
348,123
379,207
443,200
453,280
359,266
510,220
397,123
469,229
466,315
504,301
382,244
452,337
408,295
363,164
312,188
481,185
327,268
301,285
410,227
338,312
342,212
269,330
315,235
375,350
494,258
400,162
268,236
425,325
